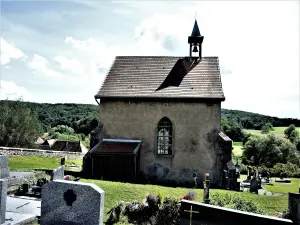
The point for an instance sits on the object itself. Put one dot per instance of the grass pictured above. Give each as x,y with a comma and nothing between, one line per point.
115,192
30,163
237,149
277,131
284,187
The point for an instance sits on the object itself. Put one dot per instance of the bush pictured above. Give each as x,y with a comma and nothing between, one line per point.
234,202
267,151
291,133
287,170
267,128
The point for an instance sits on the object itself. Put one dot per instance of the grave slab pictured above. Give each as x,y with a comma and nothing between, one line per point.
23,205
19,219
69,202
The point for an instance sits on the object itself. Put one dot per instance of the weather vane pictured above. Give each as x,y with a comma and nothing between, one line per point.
196,16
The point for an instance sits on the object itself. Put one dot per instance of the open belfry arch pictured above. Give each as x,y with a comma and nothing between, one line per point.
161,120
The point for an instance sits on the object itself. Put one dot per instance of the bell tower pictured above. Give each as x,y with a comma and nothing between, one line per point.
195,41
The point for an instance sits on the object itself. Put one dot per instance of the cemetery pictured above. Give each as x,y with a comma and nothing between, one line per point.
58,199
157,156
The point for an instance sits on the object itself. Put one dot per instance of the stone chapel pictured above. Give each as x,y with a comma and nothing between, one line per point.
161,120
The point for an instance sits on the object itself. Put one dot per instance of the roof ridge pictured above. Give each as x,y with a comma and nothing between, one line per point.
133,56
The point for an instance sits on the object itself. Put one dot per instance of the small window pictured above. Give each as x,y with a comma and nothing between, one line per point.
164,137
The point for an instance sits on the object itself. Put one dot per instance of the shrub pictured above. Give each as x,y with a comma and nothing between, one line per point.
287,170
267,128
168,213
234,202
291,133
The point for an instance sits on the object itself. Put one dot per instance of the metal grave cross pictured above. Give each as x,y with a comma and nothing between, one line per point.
191,213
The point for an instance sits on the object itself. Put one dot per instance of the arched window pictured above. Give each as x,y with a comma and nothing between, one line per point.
164,137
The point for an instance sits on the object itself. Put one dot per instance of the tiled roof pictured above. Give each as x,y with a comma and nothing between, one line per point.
67,146
115,147
163,77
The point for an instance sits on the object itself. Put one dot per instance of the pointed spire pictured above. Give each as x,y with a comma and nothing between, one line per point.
196,31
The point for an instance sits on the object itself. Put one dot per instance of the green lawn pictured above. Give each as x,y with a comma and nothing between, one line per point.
115,192
29,163
284,187
237,149
277,131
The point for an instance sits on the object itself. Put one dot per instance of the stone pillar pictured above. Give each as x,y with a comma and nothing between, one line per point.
294,207
3,197
206,199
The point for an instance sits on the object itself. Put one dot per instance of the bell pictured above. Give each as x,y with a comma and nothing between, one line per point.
195,49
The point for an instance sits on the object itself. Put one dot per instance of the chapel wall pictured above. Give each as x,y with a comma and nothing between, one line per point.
194,126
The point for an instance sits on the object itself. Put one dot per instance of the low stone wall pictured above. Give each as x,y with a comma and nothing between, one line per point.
11,152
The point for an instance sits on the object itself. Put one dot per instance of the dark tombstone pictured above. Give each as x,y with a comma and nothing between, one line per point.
68,202
25,188
254,185
206,199
281,176
294,207
62,161
268,177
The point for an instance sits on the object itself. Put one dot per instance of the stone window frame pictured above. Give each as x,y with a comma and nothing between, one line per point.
164,123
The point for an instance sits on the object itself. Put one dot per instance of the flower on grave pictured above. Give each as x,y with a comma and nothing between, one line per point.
190,196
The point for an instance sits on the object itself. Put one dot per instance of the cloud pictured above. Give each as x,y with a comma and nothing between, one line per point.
95,55
40,66
9,52
10,90
72,65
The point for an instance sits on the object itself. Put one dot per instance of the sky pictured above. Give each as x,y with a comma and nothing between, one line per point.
61,51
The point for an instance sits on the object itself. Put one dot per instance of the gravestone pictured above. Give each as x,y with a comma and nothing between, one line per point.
69,202
3,197
294,207
62,161
206,189
4,170
57,174
197,180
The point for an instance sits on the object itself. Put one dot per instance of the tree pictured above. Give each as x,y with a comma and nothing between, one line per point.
291,133
297,144
267,151
267,128
19,126
232,130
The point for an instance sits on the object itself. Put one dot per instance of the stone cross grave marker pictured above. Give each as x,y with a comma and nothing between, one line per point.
57,174
206,189
69,202
3,198
4,170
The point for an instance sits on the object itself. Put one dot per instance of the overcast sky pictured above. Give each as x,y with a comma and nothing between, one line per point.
60,51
